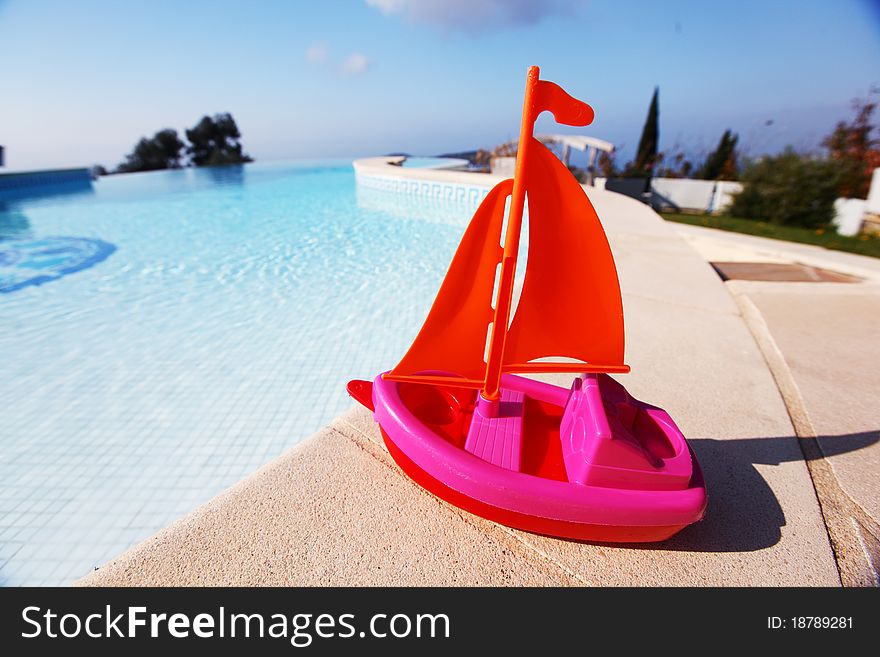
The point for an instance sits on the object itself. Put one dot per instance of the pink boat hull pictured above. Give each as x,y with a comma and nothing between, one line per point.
632,478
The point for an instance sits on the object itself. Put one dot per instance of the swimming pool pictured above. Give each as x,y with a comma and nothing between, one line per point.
217,329
434,163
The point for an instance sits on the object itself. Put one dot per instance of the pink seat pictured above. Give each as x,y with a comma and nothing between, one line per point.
498,440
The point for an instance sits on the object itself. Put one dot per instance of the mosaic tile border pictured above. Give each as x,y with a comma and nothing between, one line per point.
451,193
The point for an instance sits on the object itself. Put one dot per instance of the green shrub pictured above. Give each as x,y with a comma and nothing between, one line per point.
789,189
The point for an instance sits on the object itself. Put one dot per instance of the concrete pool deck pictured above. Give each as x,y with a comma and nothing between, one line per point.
336,510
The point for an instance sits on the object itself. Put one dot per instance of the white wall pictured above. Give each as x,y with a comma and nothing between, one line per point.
848,215
503,166
683,193
724,193
699,195
717,195
694,195
873,203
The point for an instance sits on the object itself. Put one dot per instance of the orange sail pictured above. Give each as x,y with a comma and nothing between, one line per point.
570,305
453,338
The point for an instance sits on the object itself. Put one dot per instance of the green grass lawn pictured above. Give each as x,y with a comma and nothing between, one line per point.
863,244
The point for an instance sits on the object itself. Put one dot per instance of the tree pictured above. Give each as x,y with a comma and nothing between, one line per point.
790,189
482,158
215,141
673,165
721,163
607,164
855,149
646,155
162,151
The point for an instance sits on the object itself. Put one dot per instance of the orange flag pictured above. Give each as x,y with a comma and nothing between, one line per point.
566,109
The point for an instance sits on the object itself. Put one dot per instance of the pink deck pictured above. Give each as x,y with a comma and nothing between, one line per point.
498,440
511,491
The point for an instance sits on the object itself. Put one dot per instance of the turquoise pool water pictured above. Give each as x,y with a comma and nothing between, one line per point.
434,163
218,328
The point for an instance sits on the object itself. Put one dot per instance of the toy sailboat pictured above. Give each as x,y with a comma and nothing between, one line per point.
588,463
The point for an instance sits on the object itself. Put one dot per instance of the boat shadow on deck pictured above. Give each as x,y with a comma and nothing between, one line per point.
744,514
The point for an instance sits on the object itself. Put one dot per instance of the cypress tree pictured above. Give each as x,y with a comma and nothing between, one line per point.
646,156
721,163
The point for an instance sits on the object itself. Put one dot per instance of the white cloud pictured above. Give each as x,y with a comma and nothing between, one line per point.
316,53
355,64
388,6
475,15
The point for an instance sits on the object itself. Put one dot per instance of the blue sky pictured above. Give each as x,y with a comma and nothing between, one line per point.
81,81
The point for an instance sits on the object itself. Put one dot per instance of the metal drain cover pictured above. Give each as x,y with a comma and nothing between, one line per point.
779,271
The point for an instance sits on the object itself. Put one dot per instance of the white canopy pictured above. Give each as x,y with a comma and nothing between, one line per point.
580,142
590,145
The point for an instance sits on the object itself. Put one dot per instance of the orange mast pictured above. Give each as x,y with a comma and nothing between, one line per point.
492,388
